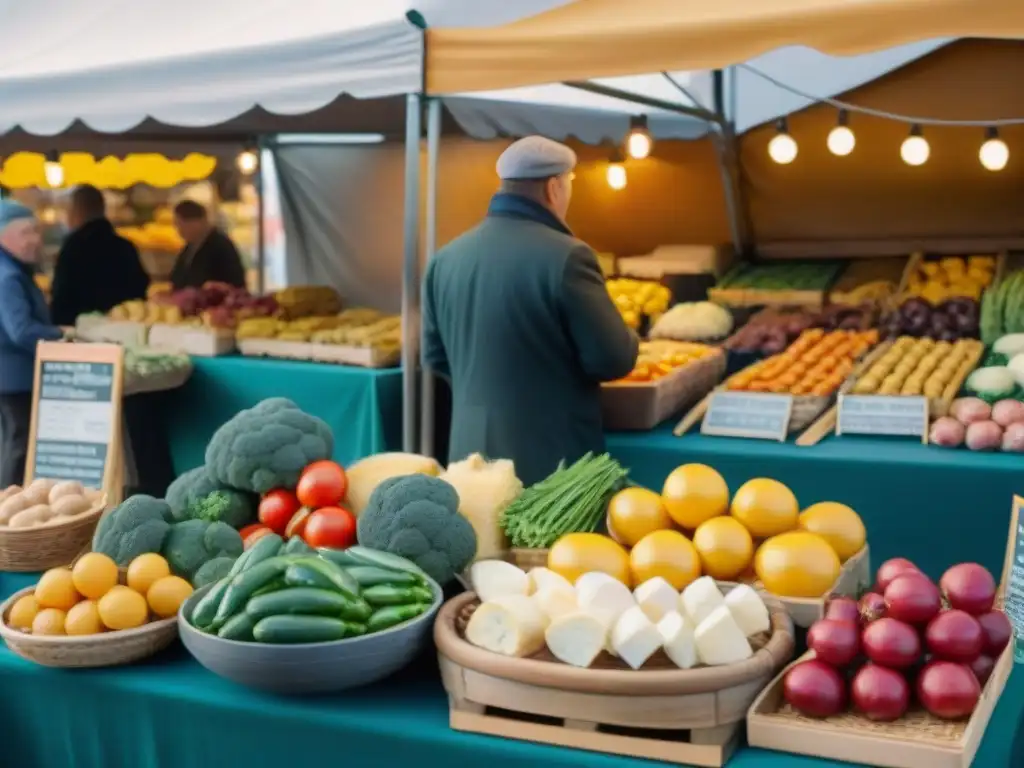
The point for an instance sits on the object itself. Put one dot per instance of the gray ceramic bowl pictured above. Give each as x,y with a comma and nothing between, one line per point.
309,667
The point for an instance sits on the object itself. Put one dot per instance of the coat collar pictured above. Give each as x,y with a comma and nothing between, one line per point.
505,205
27,269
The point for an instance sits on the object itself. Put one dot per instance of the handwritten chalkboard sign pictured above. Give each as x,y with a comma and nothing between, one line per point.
893,415
748,414
76,415
1013,578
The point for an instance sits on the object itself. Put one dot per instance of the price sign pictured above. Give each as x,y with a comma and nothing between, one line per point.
76,415
1013,578
894,415
757,415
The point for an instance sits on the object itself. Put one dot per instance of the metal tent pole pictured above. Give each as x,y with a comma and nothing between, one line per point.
410,273
261,217
427,380
728,162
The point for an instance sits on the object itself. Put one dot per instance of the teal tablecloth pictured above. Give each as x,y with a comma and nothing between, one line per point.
935,506
362,406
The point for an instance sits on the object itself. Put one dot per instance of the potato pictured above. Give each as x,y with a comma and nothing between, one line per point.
12,506
7,493
67,506
39,491
66,488
32,517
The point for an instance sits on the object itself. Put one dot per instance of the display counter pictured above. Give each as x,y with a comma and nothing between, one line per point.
928,504
170,711
362,406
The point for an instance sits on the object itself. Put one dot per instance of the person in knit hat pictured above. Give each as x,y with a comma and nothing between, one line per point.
24,322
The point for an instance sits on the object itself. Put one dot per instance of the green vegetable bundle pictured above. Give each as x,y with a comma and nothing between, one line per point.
571,499
1002,308
275,596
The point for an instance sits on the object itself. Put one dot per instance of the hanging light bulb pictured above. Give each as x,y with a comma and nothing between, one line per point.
915,149
53,170
994,154
841,140
639,141
782,148
247,162
616,173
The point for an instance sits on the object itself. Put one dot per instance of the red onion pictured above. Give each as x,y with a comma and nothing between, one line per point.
814,689
997,631
954,636
969,587
835,642
872,607
843,609
948,690
890,569
891,643
879,693
912,598
982,668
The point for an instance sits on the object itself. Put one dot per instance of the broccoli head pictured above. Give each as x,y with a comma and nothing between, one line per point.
189,487
212,571
267,446
417,517
136,526
227,506
192,543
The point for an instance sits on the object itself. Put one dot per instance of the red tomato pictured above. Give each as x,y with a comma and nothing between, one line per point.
277,508
333,527
322,484
254,535
297,525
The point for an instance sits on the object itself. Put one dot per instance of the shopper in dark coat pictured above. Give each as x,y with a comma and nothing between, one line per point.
24,322
208,256
97,269
516,314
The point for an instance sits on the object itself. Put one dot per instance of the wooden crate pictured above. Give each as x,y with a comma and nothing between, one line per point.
686,717
916,741
192,340
102,330
339,354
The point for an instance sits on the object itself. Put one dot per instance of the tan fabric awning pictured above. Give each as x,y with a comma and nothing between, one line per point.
607,38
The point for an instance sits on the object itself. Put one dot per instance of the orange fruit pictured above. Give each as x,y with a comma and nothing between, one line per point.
94,575
797,564
635,512
83,619
56,589
725,547
166,595
765,507
837,524
23,613
145,570
577,553
694,493
667,554
123,608
49,621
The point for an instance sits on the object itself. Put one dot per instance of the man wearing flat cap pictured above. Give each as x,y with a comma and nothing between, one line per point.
516,315
24,321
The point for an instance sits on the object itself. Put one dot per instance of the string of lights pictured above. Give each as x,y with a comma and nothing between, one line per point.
993,153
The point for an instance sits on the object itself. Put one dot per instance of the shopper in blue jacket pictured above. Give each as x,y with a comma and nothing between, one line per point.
24,322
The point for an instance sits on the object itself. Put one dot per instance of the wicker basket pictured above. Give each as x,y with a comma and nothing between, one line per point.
528,558
104,650
27,550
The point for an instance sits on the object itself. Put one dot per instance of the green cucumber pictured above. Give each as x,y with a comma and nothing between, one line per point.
302,601
303,629
266,546
371,576
205,611
296,546
301,575
273,586
338,557
340,580
238,627
389,594
246,583
367,556
393,615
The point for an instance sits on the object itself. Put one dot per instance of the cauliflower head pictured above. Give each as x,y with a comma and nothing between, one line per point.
267,446
191,544
417,517
136,526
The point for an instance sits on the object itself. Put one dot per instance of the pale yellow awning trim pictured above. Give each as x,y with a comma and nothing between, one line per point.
608,38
